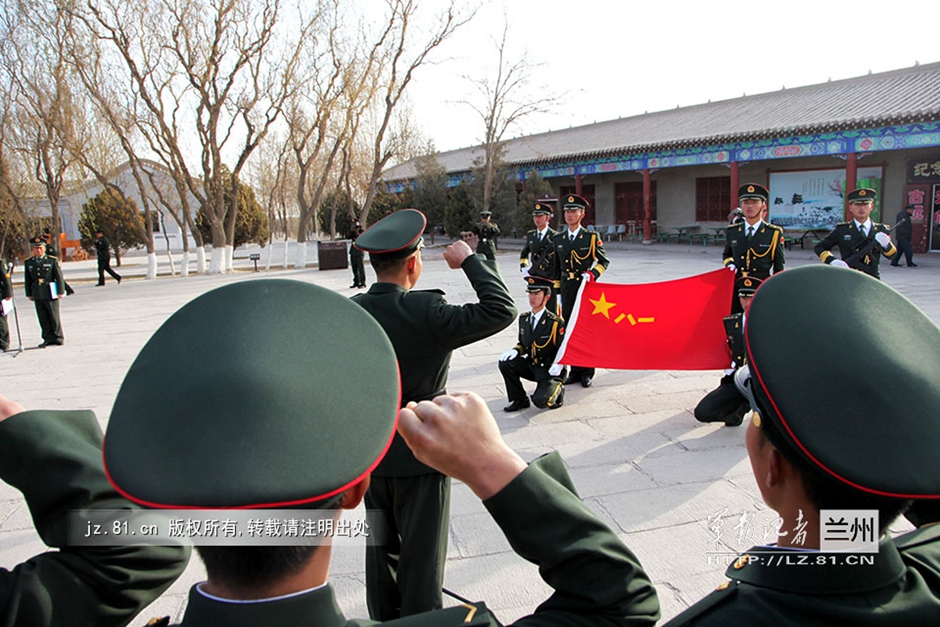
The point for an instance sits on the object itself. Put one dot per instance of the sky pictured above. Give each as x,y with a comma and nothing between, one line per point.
606,59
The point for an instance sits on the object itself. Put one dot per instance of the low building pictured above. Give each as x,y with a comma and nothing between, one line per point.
679,170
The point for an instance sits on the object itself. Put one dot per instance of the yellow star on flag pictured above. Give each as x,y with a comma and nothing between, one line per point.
602,306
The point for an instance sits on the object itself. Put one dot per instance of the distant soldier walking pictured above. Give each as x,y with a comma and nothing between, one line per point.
103,250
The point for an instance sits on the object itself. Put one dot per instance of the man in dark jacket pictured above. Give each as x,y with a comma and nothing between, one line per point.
103,250
903,231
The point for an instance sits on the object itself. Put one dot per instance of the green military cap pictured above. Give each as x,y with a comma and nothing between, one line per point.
541,209
753,190
573,202
535,283
862,194
242,400
37,241
747,285
485,214
877,434
398,234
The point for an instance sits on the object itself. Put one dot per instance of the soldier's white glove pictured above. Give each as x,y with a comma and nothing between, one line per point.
510,354
733,268
839,263
883,240
555,370
588,277
525,272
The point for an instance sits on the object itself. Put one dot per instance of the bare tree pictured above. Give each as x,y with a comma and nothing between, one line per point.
115,108
45,119
398,59
218,72
319,119
505,98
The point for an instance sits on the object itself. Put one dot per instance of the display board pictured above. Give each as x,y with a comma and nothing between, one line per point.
813,199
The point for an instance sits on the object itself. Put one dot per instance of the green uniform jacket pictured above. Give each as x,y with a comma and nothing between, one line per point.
54,458
902,587
425,329
734,334
757,256
487,232
40,274
849,240
585,254
540,345
542,253
596,579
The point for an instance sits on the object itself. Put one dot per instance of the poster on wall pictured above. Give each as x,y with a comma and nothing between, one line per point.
813,199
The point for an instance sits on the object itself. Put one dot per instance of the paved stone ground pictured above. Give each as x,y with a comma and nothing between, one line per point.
637,455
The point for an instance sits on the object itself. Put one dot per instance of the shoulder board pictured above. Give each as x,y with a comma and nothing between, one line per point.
553,316
431,291
724,593
924,535
467,614
775,227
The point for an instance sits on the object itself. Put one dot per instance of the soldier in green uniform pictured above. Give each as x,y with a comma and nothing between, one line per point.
819,440
540,335
252,427
486,232
6,295
404,576
54,459
579,256
356,256
538,252
44,286
726,403
753,247
861,241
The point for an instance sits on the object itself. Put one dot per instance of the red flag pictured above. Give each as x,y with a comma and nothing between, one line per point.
673,325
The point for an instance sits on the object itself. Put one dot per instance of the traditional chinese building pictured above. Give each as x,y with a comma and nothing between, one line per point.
681,168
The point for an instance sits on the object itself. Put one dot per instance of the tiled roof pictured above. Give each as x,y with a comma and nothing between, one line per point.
876,100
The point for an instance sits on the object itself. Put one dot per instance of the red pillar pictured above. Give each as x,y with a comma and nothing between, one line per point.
735,185
851,178
577,185
647,227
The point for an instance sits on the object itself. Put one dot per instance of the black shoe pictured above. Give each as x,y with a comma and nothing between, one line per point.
98,284
896,265
43,345
119,280
572,378
517,405
587,381
59,343
912,265
735,418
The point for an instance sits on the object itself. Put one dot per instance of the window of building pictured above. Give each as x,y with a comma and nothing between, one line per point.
628,199
712,199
